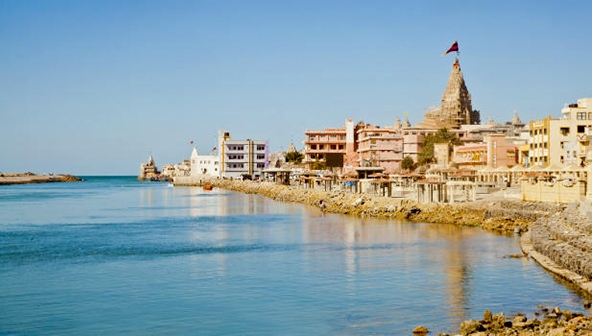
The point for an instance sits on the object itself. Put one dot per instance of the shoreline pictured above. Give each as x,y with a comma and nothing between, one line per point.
501,213
30,178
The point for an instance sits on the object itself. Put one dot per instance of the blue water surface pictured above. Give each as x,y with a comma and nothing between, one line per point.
112,255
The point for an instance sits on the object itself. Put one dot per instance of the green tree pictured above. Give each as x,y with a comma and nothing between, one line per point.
318,165
294,157
426,155
407,163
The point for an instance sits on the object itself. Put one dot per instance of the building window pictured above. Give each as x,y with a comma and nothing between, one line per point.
313,147
340,146
564,131
342,137
581,115
321,146
260,156
333,147
581,128
260,147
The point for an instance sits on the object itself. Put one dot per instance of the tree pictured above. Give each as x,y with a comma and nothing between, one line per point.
294,157
407,163
426,155
318,165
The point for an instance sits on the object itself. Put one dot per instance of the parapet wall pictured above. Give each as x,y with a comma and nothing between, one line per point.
553,192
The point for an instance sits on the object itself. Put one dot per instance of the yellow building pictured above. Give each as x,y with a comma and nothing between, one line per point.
562,141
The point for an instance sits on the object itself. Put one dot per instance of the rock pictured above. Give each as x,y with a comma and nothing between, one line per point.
519,318
470,326
420,330
487,317
358,202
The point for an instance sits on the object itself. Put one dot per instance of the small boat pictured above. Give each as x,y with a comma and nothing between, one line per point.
208,187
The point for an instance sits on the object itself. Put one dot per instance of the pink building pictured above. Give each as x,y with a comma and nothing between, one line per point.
380,147
500,152
333,147
495,151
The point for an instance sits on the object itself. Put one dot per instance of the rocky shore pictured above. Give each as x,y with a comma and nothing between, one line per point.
28,178
556,236
492,214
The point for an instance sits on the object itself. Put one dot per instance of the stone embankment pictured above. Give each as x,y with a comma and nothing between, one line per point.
493,214
28,178
563,242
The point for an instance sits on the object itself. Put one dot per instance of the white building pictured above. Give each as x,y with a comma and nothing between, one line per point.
242,157
204,164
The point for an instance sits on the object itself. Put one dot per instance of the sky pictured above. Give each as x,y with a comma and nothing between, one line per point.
95,87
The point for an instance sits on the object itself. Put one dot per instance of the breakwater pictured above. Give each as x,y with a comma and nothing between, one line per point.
28,178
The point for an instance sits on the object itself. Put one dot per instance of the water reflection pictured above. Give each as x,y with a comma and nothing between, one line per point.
444,269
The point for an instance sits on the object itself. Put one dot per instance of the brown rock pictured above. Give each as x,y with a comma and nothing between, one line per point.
420,330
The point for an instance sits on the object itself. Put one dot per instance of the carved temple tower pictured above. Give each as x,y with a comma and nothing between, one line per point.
456,108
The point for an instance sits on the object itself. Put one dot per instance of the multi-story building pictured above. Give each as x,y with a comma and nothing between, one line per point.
242,157
380,147
320,144
494,152
562,141
332,147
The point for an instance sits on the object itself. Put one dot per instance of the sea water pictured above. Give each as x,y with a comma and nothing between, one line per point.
112,255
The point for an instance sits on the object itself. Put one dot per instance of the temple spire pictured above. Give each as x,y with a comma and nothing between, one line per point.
456,108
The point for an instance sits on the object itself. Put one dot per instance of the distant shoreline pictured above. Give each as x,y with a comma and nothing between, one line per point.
30,178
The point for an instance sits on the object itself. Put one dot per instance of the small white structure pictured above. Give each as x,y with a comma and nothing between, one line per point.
204,164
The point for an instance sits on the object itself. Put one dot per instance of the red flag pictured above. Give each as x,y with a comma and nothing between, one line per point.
453,48
213,149
191,142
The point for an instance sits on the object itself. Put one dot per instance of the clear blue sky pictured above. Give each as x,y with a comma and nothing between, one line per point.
94,87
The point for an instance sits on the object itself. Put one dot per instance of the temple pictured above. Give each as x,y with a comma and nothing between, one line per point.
148,170
456,108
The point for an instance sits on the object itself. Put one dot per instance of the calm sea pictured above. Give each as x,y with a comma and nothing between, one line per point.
112,255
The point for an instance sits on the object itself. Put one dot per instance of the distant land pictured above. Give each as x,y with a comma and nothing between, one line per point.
27,178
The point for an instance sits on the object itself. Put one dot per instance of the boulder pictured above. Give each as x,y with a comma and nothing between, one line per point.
420,330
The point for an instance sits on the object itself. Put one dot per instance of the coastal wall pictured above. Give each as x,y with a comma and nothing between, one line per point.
566,238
